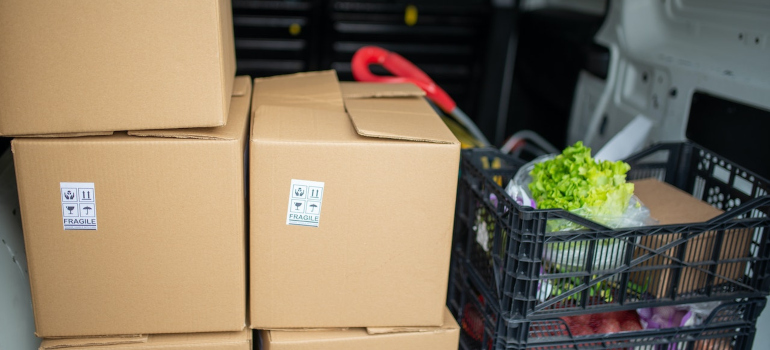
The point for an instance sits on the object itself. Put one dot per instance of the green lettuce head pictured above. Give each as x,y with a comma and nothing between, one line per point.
576,182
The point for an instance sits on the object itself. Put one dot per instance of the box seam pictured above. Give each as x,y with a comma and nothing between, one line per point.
222,79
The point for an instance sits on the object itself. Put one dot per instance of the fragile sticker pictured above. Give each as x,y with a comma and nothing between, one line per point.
78,205
305,198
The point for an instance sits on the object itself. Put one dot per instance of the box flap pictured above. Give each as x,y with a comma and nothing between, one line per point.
64,343
449,324
284,123
241,86
388,111
313,90
368,90
70,134
194,340
670,205
291,336
214,340
398,118
327,329
236,120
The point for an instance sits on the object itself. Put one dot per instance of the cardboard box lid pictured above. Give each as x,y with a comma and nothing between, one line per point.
233,130
314,90
670,205
366,339
218,340
284,105
392,111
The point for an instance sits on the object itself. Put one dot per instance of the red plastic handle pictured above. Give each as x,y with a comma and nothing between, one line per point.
403,71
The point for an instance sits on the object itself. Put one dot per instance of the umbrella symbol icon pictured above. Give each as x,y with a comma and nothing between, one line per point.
87,209
313,206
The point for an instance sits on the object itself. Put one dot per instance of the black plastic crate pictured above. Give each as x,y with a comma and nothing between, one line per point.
730,326
508,248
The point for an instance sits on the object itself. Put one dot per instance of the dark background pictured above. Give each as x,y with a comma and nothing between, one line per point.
464,45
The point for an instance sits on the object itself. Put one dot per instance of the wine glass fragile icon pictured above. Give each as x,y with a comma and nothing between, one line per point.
297,204
70,208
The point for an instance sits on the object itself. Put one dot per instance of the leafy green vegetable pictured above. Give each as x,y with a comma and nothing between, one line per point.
576,182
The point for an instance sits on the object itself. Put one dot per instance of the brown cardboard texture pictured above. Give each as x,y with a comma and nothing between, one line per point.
445,337
199,341
670,205
382,193
80,66
166,253
84,342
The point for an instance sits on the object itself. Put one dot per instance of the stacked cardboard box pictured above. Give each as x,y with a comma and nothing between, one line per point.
133,157
131,173
137,233
352,200
83,67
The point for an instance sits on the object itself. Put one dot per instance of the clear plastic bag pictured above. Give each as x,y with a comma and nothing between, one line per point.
675,316
569,256
680,316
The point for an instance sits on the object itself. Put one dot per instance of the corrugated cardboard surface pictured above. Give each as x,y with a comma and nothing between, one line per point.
169,252
200,341
69,66
64,343
380,256
445,337
670,205
307,90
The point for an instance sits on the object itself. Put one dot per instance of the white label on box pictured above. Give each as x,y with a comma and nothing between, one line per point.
305,199
78,205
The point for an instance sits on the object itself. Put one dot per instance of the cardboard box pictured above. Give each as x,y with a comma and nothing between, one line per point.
670,205
81,66
445,337
137,233
366,241
198,341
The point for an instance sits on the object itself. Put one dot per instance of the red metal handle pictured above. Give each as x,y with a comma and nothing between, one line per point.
403,71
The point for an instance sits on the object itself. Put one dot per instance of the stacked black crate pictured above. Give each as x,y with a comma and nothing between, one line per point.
515,287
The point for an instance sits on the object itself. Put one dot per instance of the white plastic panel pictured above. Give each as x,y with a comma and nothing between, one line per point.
17,325
664,50
718,47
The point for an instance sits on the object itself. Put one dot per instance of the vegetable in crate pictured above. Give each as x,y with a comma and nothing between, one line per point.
603,323
575,182
676,316
596,190
473,322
